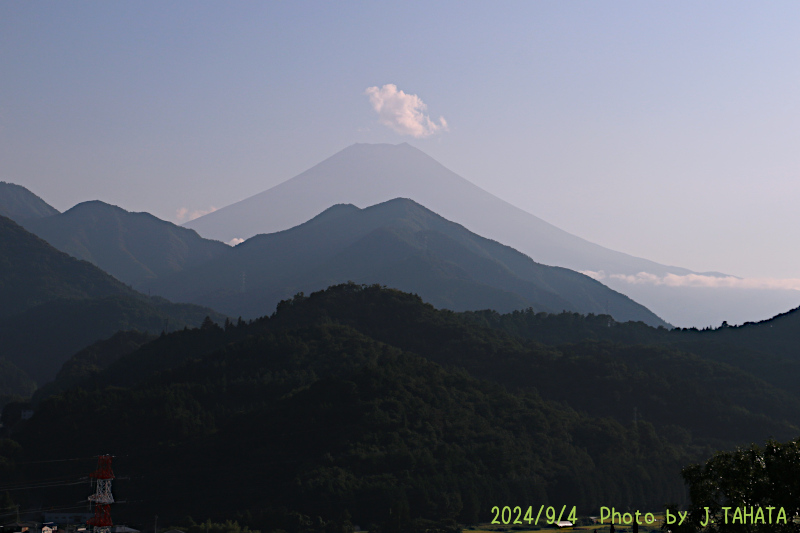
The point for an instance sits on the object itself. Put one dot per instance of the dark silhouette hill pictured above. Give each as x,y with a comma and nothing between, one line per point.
52,305
767,349
91,360
779,335
399,244
14,383
622,358
132,247
32,272
361,397
21,205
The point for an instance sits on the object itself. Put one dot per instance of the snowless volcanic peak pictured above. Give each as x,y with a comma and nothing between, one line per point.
367,174
362,175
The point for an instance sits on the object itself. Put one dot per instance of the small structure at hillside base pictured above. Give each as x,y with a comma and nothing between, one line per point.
563,523
102,497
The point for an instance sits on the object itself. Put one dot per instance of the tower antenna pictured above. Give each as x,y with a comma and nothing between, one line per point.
102,496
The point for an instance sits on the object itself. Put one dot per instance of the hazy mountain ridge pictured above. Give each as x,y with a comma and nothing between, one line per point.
399,244
140,249
52,305
133,247
32,272
20,205
368,174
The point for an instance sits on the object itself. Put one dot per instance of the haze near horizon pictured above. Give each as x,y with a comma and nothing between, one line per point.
667,132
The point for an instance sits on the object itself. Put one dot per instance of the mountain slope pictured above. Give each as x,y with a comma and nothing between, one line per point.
365,175
399,244
19,204
14,382
133,247
635,368
32,272
52,305
334,420
766,349
91,360
357,397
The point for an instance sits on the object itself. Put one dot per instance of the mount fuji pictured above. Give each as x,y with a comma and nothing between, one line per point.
368,174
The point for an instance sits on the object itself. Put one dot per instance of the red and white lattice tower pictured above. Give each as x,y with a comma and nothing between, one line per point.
102,497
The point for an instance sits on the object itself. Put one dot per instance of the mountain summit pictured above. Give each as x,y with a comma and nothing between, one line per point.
400,244
368,174
19,204
132,247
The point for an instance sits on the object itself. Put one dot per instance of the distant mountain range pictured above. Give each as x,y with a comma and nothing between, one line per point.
52,305
20,204
133,247
399,244
33,273
141,250
368,174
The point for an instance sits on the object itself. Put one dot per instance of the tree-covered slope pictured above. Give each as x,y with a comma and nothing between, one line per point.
606,377
32,272
767,349
367,399
14,383
52,305
92,359
319,419
132,247
41,339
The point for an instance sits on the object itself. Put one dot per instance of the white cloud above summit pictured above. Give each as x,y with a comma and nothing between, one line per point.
404,113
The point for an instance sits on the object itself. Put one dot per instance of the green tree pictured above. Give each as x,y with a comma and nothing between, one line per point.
752,480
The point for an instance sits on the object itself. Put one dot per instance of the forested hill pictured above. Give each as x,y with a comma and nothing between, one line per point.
32,272
367,399
769,349
321,419
52,305
92,359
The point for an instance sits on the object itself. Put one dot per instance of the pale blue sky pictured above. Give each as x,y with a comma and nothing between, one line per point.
666,130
